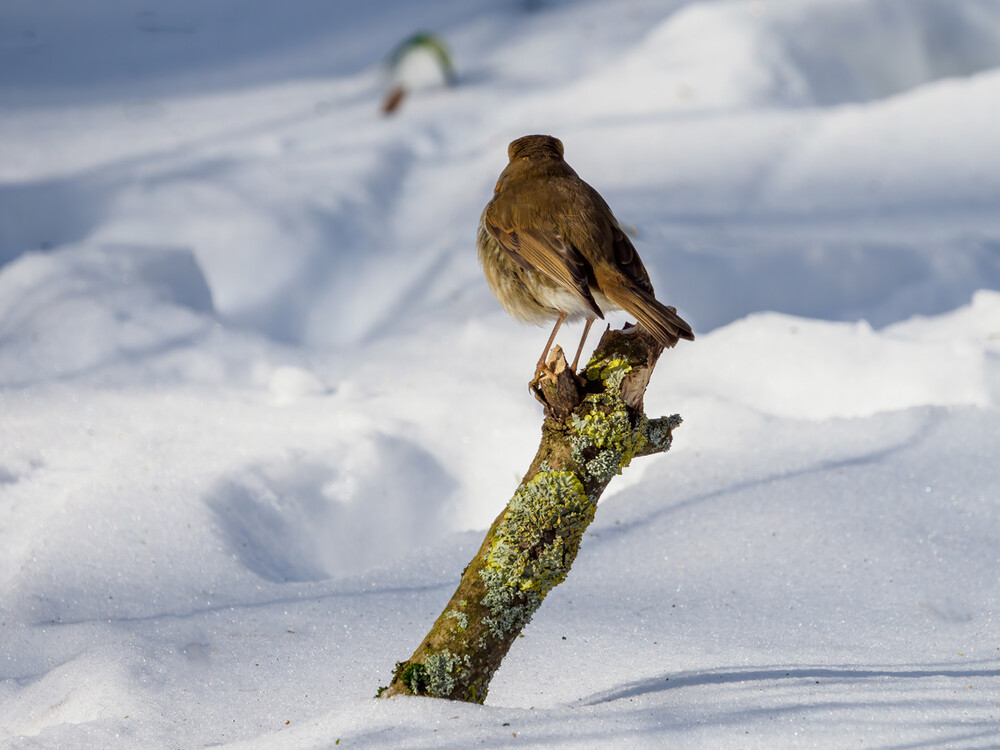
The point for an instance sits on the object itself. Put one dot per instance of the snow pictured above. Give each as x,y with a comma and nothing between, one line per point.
257,405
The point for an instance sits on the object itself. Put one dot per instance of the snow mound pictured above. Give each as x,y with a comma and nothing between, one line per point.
743,53
314,518
87,689
806,369
81,310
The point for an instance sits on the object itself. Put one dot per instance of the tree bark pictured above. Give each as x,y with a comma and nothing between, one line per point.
594,426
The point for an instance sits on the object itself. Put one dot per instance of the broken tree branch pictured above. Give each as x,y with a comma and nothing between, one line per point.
594,426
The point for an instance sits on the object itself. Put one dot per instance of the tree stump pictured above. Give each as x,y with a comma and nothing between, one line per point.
594,426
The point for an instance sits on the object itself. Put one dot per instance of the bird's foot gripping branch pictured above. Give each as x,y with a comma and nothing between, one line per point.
594,426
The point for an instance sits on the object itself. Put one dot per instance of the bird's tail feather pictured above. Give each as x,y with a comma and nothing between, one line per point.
663,322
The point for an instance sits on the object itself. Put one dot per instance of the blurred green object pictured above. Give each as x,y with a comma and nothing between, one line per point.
426,41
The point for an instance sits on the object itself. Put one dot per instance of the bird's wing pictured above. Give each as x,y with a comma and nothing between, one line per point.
546,252
628,261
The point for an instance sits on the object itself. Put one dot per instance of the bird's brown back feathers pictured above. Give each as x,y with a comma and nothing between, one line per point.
551,221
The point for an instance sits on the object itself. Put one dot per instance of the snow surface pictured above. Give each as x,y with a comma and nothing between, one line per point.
258,404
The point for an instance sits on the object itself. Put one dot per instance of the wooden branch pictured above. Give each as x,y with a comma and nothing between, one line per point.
594,426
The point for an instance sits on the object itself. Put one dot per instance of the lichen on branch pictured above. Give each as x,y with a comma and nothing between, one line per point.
533,547
594,426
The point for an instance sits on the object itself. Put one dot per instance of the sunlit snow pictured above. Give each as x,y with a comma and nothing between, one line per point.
257,404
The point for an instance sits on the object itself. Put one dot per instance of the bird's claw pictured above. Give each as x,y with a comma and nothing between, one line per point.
542,374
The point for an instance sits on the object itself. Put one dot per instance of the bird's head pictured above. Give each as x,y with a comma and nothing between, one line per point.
535,147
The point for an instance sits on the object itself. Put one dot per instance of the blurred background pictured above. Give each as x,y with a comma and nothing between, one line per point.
247,354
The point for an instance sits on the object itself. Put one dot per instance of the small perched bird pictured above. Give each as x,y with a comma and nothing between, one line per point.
551,249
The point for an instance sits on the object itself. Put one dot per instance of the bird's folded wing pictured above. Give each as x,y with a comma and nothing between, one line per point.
547,253
627,260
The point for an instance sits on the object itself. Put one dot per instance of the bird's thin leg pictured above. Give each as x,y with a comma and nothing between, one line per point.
541,366
583,340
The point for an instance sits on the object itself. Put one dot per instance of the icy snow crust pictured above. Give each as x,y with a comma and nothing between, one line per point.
257,404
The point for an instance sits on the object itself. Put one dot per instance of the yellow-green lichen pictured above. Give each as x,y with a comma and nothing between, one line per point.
611,371
606,439
533,547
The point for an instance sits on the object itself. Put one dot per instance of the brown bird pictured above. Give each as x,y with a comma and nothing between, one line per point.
551,249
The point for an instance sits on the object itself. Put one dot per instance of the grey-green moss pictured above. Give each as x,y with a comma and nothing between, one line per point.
604,465
533,547
413,675
442,671
461,619
659,432
436,677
